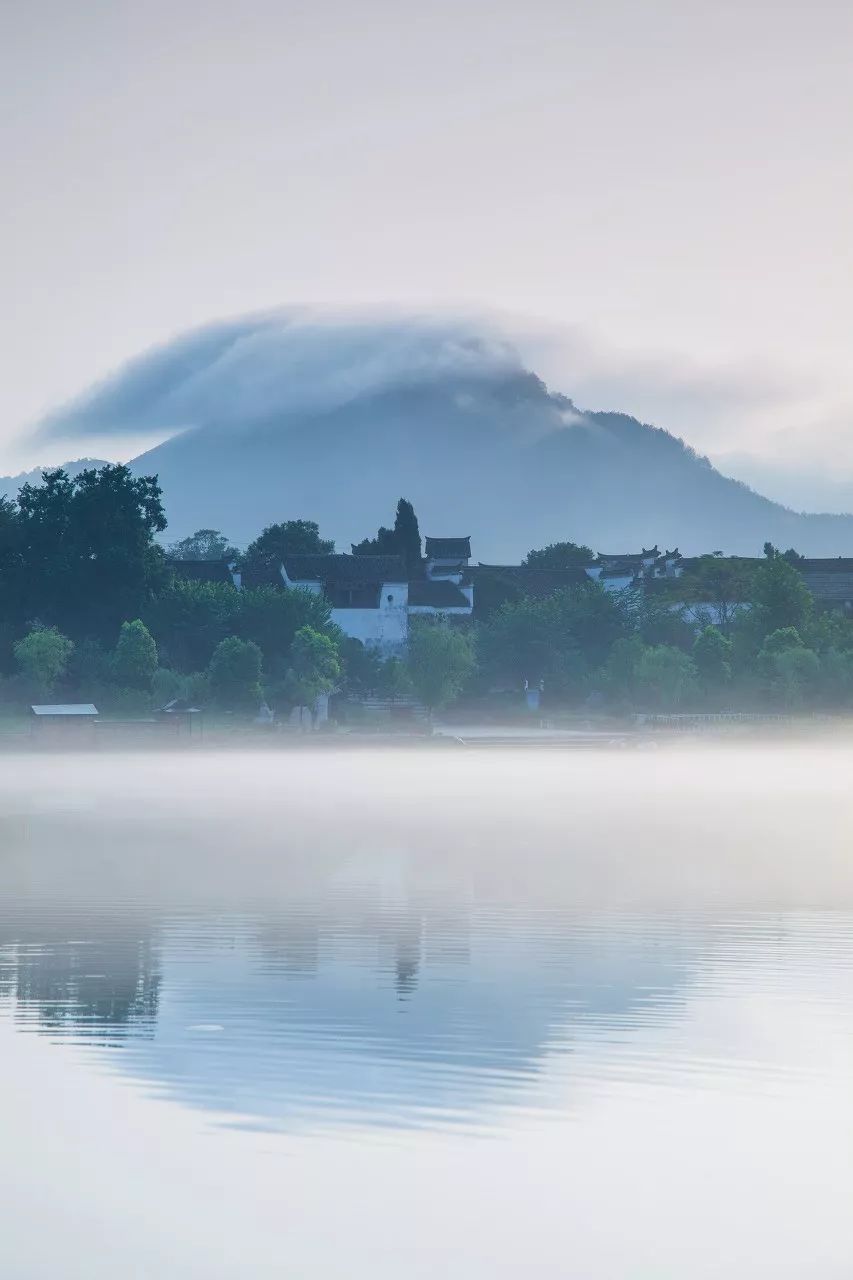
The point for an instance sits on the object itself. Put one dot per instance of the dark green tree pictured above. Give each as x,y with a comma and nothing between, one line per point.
42,656
791,670
363,668
272,617
618,675
724,582
204,544
665,677
408,535
88,557
234,674
403,540
291,538
781,597
440,662
315,668
188,619
559,555
135,658
712,655
556,638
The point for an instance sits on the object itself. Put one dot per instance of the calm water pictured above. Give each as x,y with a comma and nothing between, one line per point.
445,1013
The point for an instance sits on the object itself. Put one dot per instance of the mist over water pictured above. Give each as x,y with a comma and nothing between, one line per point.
479,1013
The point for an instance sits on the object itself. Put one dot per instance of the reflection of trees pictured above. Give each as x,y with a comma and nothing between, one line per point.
101,985
291,945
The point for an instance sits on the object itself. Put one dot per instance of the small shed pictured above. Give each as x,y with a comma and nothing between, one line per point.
55,710
61,722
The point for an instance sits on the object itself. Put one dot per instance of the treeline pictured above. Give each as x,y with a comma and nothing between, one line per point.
728,634
90,610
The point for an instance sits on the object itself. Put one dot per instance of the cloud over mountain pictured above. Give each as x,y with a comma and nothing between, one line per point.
236,372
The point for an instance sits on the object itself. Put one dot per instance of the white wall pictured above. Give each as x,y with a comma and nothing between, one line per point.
385,628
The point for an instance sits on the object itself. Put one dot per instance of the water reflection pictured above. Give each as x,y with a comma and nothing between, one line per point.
326,1014
293,966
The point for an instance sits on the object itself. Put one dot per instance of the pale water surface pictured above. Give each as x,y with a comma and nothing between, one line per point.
460,1013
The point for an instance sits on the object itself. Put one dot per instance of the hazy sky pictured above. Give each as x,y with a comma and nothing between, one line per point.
666,184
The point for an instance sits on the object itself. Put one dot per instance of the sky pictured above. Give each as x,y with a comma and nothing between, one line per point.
654,198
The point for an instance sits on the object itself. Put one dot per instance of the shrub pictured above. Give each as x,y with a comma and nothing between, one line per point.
135,658
43,657
234,674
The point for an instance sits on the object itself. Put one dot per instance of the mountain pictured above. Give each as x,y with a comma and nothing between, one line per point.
9,485
506,462
299,415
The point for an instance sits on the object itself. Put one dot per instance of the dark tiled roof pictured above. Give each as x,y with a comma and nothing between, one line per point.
263,576
628,557
497,584
439,595
448,548
829,586
356,570
838,564
534,581
200,570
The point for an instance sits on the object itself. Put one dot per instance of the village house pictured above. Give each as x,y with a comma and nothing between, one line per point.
372,597
447,586
616,572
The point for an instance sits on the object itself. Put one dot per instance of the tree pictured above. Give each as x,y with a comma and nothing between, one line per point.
712,653
791,670
772,553
384,544
403,540
726,583
291,538
559,555
88,557
440,661
43,656
619,671
135,658
315,667
408,536
781,596
795,674
10,539
554,638
272,617
188,619
665,676
363,668
204,544
235,674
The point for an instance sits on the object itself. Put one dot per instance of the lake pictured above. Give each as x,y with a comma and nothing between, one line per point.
455,1012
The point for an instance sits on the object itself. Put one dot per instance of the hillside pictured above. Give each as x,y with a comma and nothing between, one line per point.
9,485
509,464
290,414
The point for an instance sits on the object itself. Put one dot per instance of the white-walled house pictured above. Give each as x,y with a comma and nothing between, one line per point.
616,572
447,586
369,595
372,596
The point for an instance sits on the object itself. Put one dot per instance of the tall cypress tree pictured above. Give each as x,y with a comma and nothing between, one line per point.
408,536
403,540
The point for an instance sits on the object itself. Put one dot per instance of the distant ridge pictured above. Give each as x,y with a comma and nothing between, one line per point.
333,418
9,485
513,464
